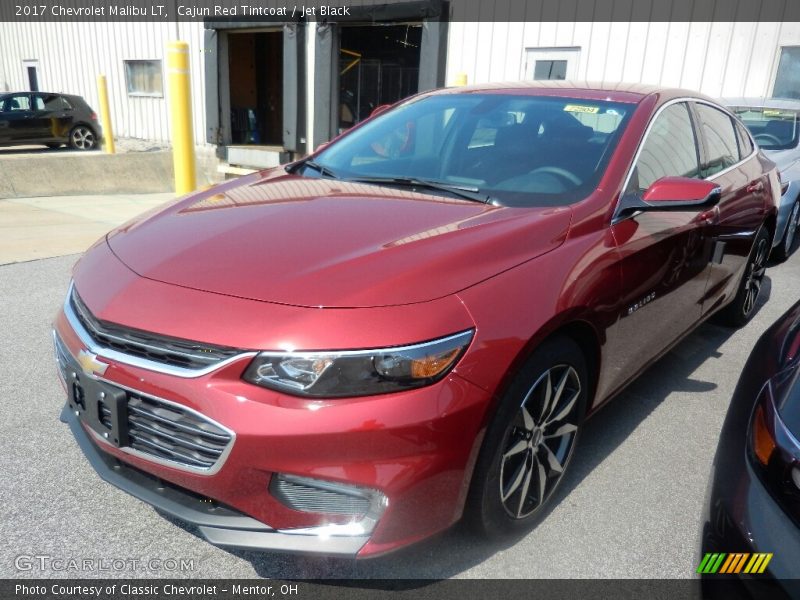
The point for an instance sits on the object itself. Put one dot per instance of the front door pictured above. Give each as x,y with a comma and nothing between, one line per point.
16,119
664,256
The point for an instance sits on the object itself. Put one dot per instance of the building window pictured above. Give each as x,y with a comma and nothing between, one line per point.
143,78
552,63
787,80
550,69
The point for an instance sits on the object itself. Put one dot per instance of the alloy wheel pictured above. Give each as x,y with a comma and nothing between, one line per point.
82,138
540,442
755,276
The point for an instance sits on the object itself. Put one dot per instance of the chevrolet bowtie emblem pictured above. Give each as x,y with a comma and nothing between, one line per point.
90,364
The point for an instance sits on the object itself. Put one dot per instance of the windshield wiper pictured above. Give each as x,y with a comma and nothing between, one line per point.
462,191
321,169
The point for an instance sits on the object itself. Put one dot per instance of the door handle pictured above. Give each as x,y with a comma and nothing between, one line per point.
755,187
708,217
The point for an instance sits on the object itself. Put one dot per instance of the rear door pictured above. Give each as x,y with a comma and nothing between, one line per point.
52,116
730,160
664,256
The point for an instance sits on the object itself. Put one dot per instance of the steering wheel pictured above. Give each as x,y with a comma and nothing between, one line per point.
558,171
767,138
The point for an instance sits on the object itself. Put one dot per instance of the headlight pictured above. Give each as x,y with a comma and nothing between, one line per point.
338,374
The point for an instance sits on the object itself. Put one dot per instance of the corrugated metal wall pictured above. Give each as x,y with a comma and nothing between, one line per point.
71,55
719,59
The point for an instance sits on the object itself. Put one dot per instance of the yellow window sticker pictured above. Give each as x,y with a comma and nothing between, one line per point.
579,108
771,113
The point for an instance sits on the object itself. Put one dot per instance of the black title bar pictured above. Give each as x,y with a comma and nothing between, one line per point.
381,10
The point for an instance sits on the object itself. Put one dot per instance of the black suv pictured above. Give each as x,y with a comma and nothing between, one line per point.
49,119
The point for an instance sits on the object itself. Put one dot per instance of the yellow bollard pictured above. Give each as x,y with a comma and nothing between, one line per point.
180,103
105,115
461,79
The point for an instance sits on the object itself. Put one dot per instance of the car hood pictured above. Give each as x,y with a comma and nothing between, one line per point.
329,243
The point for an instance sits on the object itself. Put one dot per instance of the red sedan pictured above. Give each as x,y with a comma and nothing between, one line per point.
350,353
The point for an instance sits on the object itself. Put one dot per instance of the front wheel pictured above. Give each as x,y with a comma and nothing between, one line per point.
743,306
530,441
784,249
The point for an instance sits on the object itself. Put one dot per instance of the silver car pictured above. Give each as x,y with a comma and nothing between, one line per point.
775,125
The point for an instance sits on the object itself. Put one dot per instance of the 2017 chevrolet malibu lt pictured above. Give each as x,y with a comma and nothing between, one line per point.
348,354
752,513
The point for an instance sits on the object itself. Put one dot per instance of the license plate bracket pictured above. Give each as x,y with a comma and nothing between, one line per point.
99,405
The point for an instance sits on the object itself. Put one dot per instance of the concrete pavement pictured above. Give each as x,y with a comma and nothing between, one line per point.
46,227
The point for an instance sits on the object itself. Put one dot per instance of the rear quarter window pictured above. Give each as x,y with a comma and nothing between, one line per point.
745,143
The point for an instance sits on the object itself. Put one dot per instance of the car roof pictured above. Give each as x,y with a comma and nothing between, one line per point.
38,92
616,92
777,103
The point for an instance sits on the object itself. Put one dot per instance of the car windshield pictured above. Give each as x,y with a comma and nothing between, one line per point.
772,128
512,150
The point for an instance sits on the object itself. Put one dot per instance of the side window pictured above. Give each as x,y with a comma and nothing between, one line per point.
51,102
670,150
16,102
722,150
745,143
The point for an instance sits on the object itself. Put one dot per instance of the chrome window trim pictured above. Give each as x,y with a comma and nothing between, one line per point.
649,127
135,361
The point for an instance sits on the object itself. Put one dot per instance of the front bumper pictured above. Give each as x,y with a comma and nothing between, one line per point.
219,524
409,446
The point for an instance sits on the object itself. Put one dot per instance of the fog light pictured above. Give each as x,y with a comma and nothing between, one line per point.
305,494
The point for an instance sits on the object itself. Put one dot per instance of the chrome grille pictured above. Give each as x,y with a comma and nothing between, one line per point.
168,432
166,350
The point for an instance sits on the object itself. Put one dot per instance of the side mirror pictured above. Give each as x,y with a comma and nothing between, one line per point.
381,108
670,194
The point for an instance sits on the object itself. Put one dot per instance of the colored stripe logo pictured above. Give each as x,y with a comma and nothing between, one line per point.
742,562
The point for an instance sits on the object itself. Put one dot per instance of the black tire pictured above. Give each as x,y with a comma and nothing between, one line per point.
511,447
82,137
743,306
54,145
784,249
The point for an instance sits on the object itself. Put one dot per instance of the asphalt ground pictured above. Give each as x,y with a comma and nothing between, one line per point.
630,505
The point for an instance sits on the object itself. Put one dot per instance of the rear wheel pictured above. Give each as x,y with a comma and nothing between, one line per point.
82,138
743,306
784,249
530,441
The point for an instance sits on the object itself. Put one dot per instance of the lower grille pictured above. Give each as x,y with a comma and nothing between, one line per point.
171,433
309,495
